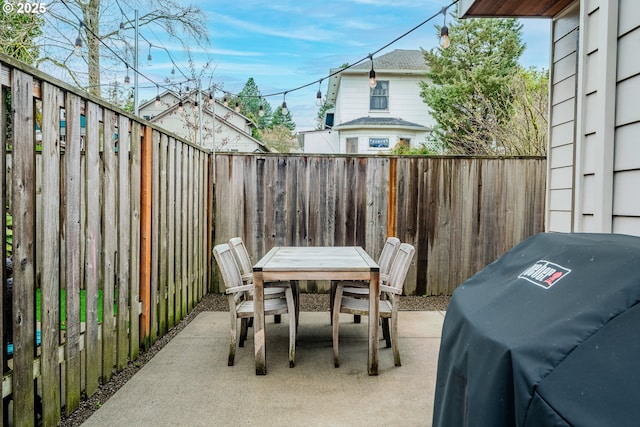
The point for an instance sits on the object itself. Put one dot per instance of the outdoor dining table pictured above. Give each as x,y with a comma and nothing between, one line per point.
286,263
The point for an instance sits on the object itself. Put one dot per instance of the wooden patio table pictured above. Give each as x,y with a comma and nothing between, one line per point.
284,263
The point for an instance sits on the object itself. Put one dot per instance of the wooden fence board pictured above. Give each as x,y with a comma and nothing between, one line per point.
184,210
163,262
73,245
110,242
92,247
136,242
179,233
190,224
23,212
124,246
171,232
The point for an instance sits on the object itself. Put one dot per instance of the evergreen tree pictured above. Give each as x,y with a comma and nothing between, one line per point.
470,82
280,119
250,100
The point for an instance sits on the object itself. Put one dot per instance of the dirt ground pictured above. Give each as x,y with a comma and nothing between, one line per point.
217,302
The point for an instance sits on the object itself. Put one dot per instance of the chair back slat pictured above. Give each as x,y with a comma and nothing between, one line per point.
228,266
242,255
388,253
400,266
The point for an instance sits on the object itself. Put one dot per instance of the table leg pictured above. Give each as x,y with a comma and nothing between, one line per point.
258,324
374,314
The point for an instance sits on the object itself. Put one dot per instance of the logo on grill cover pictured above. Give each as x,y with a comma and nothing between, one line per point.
544,273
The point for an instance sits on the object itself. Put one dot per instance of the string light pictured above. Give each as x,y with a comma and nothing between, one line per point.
78,44
211,100
261,109
237,109
285,110
319,94
158,96
149,56
127,79
372,74
444,31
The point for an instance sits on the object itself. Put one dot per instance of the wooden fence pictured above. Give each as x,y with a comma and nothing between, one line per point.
460,213
110,220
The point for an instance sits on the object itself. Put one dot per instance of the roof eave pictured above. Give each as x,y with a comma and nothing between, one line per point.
511,8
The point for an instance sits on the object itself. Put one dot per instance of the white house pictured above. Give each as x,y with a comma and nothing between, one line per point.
181,115
369,120
593,182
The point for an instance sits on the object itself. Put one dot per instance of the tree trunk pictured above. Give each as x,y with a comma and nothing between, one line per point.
91,17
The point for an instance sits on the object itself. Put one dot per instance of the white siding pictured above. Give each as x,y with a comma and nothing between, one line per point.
404,99
598,56
605,193
562,122
626,184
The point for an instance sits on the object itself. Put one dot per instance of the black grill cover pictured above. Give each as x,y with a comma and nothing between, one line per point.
547,335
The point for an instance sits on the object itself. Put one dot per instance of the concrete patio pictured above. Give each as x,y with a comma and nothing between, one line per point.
189,383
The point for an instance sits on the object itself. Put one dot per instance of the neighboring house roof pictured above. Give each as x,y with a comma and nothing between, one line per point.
207,110
399,61
378,122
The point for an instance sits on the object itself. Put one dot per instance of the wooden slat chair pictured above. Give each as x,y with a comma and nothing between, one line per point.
241,304
271,290
361,289
388,303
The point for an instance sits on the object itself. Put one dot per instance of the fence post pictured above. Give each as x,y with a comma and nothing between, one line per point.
145,235
391,204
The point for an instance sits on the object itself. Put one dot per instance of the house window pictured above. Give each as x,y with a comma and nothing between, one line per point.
403,143
380,96
352,145
329,121
379,142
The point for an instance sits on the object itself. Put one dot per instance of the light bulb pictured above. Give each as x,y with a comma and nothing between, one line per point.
444,37
372,79
158,100
261,111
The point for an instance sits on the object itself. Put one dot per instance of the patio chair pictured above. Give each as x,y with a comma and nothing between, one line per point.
241,304
361,289
271,290
388,303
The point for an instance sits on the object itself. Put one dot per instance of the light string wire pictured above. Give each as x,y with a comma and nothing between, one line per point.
368,57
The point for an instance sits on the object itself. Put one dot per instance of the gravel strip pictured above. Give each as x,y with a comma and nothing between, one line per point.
218,302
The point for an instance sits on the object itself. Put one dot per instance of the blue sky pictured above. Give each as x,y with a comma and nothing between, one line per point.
286,44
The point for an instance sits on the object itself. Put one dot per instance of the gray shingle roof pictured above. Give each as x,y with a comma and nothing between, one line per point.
399,59
380,121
